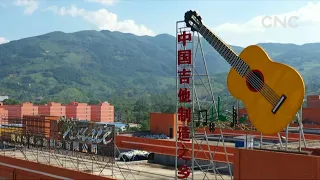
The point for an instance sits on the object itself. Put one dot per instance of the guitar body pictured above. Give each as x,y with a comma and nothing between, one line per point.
282,79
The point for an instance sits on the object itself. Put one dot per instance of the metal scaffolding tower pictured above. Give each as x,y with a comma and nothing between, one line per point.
199,155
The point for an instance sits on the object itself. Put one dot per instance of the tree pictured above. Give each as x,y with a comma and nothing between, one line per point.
145,125
93,102
142,104
11,101
42,102
133,129
171,108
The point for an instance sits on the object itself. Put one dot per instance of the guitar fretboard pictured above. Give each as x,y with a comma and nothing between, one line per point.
225,51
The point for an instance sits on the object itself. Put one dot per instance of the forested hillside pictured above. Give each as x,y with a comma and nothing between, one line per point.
135,73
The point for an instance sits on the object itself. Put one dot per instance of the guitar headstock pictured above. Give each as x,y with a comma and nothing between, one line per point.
193,20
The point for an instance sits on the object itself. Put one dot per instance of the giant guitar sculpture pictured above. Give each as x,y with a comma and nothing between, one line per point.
272,92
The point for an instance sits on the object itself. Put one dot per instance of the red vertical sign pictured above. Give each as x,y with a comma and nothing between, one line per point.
185,97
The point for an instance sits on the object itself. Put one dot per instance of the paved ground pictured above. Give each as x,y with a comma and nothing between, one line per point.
120,170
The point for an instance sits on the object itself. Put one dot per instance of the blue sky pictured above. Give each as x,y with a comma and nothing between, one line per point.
237,22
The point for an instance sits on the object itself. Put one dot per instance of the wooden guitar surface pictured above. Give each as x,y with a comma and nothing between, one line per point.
281,78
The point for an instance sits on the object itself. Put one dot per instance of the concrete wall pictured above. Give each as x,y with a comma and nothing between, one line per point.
11,168
259,164
160,123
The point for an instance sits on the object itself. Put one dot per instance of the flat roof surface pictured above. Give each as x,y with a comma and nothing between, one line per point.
121,170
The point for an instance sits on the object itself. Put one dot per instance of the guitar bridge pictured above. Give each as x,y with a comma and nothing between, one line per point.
279,103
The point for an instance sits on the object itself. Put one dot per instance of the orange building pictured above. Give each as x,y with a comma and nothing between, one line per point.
26,108
313,101
311,112
78,111
103,112
41,124
52,109
3,112
163,123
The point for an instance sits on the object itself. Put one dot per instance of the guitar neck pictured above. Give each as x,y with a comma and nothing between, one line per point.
224,50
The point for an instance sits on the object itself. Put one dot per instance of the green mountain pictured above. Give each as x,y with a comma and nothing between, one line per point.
103,65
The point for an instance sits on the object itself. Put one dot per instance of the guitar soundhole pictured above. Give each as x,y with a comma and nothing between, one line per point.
253,83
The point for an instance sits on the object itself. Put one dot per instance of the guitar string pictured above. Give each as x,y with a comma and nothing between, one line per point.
260,89
257,86
256,83
241,68
244,70
264,87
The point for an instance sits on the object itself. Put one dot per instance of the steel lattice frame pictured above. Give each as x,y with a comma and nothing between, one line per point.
202,100
45,152
52,155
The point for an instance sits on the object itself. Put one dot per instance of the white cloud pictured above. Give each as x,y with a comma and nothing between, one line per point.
303,27
103,20
103,2
3,40
30,6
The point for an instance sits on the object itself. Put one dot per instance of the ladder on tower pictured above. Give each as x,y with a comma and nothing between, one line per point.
202,139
